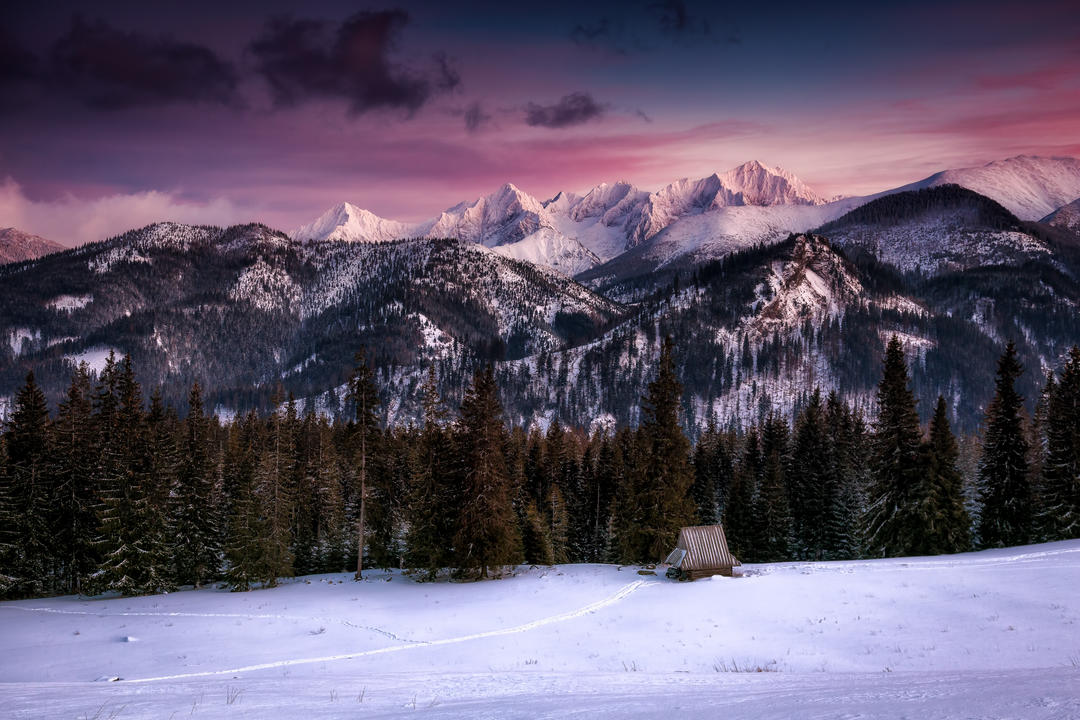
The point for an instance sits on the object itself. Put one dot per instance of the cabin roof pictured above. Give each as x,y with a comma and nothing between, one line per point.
705,548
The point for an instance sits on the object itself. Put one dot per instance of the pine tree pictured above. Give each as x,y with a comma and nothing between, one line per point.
770,517
846,438
1060,511
125,516
487,532
704,491
594,504
26,494
196,522
1004,487
432,503
739,510
665,501
893,525
946,521
365,400
812,482
331,531
74,518
245,549
274,490
8,532
161,478
388,468
535,540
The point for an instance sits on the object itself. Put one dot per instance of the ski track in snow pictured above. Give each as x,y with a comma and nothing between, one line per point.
623,593
928,563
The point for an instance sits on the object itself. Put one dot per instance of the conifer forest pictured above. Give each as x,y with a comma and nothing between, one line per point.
112,490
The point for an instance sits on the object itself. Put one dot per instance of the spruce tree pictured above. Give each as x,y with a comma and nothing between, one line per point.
739,510
704,491
946,521
812,482
161,477
1004,487
245,550
487,532
125,513
73,522
197,499
665,501
275,492
846,440
26,494
535,539
365,399
897,470
770,518
388,469
331,528
1060,506
431,506
8,531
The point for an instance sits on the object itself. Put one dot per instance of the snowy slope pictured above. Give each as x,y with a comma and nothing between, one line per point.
1029,186
550,248
938,229
990,634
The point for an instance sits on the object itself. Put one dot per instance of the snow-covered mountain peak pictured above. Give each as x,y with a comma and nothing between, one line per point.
561,203
510,199
761,184
505,216
349,223
601,200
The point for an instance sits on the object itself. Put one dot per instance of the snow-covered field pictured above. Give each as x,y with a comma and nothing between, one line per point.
992,634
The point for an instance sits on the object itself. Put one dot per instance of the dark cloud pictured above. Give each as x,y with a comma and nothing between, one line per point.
573,109
475,117
645,26
673,18
446,75
17,65
111,69
307,59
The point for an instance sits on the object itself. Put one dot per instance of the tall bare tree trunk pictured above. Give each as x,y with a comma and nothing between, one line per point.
363,503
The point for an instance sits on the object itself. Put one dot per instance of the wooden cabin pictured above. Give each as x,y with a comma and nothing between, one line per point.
701,551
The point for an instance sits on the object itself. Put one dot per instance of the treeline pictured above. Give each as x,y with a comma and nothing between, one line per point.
114,493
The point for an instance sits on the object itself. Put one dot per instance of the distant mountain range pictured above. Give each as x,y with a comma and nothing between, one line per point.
686,221
16,246
767,288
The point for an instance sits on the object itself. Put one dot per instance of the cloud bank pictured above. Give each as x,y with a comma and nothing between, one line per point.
72,221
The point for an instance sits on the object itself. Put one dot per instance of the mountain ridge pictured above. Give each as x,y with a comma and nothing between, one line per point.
697,219
18,246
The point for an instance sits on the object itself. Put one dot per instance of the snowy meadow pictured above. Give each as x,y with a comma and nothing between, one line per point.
990,634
